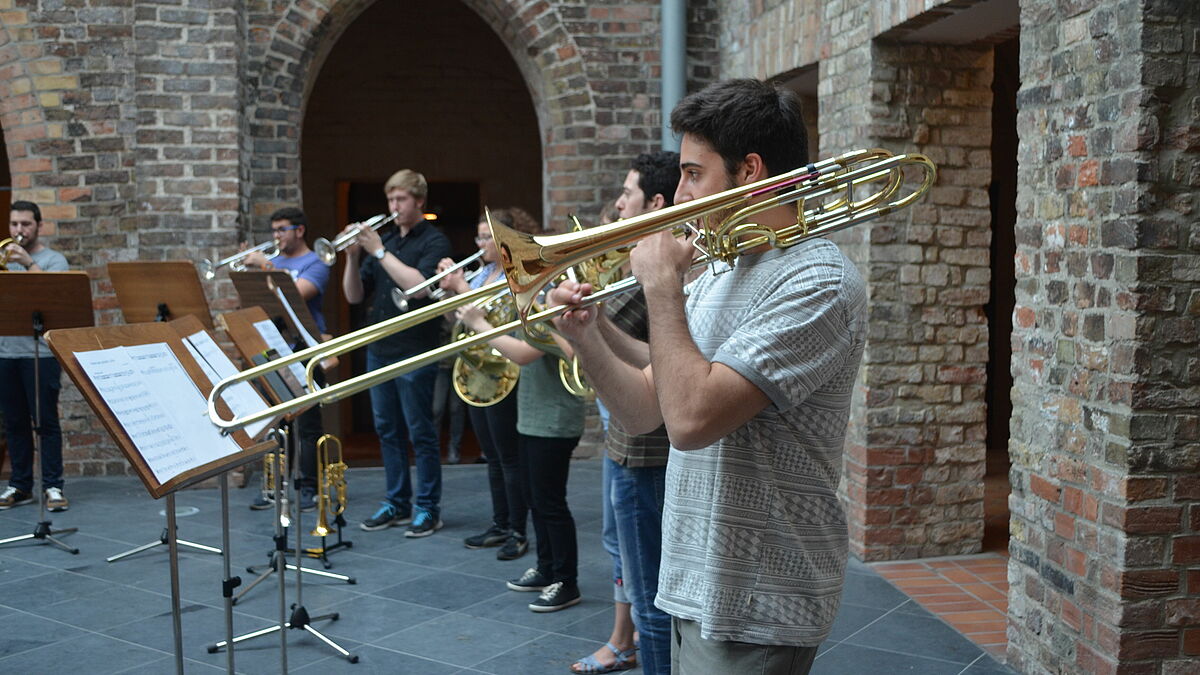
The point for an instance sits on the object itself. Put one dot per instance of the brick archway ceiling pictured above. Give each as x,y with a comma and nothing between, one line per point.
285,53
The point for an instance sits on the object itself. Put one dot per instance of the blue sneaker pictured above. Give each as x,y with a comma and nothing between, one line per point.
387,516
424,524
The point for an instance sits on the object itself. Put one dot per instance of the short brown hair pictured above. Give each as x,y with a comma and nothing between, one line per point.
408,180
516,218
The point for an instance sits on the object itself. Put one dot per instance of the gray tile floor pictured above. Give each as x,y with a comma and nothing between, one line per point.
426,606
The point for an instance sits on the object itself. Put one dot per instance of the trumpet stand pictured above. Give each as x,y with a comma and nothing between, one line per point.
322,552
42,531
299,618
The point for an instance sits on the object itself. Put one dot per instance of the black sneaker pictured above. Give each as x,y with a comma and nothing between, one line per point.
308,499
424,524
13,497
532,580
493,537
556,596
514,548
387,516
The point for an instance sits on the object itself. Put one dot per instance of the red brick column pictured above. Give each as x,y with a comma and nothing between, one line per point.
1105,432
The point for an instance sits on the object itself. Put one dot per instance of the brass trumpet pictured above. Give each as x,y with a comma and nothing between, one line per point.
400,296
236,262
327,250
5,252
824,195
330,482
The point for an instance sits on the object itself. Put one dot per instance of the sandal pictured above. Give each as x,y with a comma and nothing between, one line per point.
590,665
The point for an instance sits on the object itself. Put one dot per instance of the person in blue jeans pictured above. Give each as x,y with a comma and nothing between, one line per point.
17,396
635,468
401,254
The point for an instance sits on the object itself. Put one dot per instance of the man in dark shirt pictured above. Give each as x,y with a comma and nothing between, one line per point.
401,255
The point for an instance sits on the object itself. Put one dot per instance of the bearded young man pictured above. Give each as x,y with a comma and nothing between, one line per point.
751,370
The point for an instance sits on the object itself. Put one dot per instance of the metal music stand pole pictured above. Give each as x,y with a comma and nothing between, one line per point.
299,618
229,582
280,436
173,555
42,531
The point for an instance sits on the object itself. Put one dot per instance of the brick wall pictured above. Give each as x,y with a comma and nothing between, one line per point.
169,129
66,83
1104,431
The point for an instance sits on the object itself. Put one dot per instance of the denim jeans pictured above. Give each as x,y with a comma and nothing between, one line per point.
403,410
545,464
496,428
637,501
608,532
16,404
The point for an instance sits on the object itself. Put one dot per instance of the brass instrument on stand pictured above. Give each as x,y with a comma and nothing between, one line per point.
331,499
331,481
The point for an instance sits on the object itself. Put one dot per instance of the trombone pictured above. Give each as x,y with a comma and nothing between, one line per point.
236,262
327,250
532,261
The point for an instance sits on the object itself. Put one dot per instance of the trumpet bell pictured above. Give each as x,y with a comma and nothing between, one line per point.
325,251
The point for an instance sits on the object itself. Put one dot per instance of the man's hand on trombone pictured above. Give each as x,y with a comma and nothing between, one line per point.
574,323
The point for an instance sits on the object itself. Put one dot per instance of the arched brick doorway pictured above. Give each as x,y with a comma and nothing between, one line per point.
447,100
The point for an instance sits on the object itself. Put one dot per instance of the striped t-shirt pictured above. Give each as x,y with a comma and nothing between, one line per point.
754,537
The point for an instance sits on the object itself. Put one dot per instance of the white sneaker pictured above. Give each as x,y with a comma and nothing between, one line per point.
55,500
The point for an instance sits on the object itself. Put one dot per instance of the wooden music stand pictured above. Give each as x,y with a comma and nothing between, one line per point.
66,343
144,288
239,326
34,302
254,291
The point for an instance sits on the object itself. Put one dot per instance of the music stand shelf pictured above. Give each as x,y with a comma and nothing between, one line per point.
159,291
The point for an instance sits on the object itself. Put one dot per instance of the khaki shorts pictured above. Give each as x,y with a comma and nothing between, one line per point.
693,655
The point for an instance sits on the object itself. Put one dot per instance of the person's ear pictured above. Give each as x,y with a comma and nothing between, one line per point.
752,169
657,202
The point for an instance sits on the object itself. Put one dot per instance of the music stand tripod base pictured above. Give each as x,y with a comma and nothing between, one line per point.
42,532
163,541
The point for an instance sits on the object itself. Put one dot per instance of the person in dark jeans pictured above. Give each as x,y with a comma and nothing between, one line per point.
17,396
496,425
549,425
403,256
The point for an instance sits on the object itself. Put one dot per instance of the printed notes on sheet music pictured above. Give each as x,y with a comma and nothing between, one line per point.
241,397
274,339
158,406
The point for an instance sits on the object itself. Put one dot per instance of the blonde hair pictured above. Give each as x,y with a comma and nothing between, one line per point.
408,180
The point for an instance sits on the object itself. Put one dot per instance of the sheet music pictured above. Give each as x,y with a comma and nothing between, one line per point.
271,335
241,398
287,306
152,397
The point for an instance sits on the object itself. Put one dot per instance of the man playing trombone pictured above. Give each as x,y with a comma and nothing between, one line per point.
288,227
401,256
751,369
